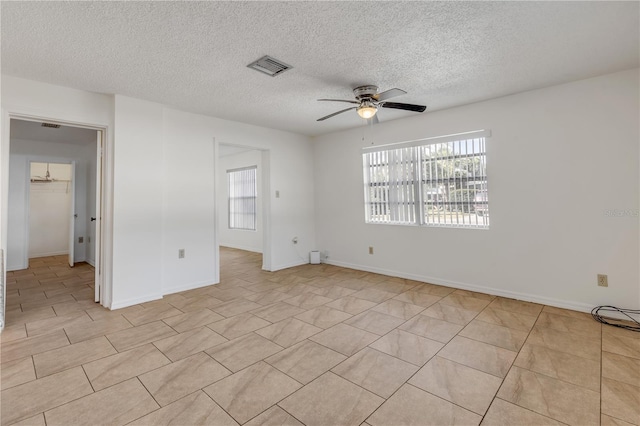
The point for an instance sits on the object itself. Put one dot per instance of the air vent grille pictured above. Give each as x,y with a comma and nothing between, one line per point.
51,125
269,66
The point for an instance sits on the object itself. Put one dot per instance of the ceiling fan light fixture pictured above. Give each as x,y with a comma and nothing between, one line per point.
367,110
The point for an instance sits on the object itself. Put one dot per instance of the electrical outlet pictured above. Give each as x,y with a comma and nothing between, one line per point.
81,240
370,250
180,253
294,240
603,281
88,239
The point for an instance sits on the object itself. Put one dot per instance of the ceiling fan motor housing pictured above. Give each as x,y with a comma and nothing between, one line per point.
365,92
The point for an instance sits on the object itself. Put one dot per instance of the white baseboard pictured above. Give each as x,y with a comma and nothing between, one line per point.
291,265
241,247
190,286
134,301
53,253
558,303
17,267
90,262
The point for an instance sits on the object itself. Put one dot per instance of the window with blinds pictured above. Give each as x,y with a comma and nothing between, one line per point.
431,182
243,193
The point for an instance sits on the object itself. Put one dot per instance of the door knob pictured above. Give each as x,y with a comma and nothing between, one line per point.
92,219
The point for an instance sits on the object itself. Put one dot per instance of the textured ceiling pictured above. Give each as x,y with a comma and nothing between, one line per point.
193,55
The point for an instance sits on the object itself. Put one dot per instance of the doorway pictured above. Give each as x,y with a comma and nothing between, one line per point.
241,223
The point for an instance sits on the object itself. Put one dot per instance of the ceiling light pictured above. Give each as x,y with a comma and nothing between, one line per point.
367,110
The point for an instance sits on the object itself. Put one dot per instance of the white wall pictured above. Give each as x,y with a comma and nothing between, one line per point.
21,153
239,238
50,210
559,160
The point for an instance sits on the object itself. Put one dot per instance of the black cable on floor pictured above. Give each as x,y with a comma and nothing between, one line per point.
595,313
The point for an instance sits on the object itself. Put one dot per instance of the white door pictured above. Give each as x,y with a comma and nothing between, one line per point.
72,226
97,221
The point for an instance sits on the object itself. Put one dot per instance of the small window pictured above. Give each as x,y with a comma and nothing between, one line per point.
243,193
430,182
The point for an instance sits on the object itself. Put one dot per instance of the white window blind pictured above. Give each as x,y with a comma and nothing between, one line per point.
243,193
431,182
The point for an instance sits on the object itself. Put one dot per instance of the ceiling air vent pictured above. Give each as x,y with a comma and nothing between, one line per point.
53,126
269,66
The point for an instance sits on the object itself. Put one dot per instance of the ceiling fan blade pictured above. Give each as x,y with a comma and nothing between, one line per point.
339,100
406,107
388,94
335,113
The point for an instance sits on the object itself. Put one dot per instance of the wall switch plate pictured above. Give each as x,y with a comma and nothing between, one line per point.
370,250
180,253
277,194
81,240
603,281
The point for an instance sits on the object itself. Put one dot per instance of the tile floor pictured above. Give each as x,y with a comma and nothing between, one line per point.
314,345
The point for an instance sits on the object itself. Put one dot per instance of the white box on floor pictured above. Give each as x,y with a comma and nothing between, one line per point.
314,257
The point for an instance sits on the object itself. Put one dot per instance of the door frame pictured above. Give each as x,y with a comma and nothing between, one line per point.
105,175
265,205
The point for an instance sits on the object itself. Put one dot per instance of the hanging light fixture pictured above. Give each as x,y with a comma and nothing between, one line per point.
367,109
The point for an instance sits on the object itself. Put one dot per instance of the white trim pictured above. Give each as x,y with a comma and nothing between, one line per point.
558,303
287,265
130,302
241,247
185,287
429,141
90,262
53,253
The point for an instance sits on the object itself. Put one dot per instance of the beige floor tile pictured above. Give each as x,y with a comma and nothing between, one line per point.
191,320
179,379
496,335
351,305
324,317
457,383
373,295
47,325
517,306
407,346
13,332
308,301
239,325
102,313
502,413
477,295
354,284
288,332
244,351
14,373
159,311
612,421
229,294
617,331
431,328
57,360
90,330
621,400
375,371
189,343
481,356
435,290
198,303
413,406
235,307
117,405
344,338
508,319
249,392
268,297
551,397
274,416
620,345
296,289
117,368
375,322
37,420
22,348
417,298
334,292
463,302
305,361
194,409
16,318
567,313
398,309
331,400
621,368
582,327
35,304
133,337
277,312
565,342
560,365
450,313
24,401
395,287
